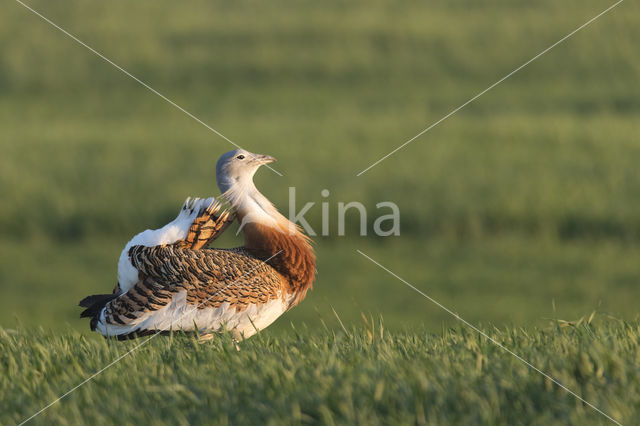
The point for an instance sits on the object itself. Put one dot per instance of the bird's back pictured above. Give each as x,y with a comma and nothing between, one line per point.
204,290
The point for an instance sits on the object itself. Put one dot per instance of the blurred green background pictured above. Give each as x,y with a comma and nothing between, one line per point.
523,206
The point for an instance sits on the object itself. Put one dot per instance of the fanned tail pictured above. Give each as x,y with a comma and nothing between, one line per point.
207,220
208,226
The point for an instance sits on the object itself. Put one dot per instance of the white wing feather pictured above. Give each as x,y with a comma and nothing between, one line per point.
170,233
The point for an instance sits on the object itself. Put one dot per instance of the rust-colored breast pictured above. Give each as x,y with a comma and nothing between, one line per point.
295,258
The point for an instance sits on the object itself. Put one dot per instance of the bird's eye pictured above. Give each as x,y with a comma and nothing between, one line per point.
240,157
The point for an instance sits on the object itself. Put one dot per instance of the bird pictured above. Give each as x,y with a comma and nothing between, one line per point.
169,280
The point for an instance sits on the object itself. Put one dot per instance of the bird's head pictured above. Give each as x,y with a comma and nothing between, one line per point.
237,167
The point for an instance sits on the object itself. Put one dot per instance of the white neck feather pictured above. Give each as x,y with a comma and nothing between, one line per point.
251,205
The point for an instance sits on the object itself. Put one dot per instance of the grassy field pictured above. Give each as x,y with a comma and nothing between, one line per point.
526,199
364,375
522,208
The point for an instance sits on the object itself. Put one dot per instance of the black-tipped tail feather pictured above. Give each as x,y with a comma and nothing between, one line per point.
94,305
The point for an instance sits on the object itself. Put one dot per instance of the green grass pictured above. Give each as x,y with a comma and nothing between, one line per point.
364,375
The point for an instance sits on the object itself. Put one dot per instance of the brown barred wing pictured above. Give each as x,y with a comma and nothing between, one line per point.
210,278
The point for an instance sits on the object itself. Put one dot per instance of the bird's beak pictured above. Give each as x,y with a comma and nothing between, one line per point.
265,159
